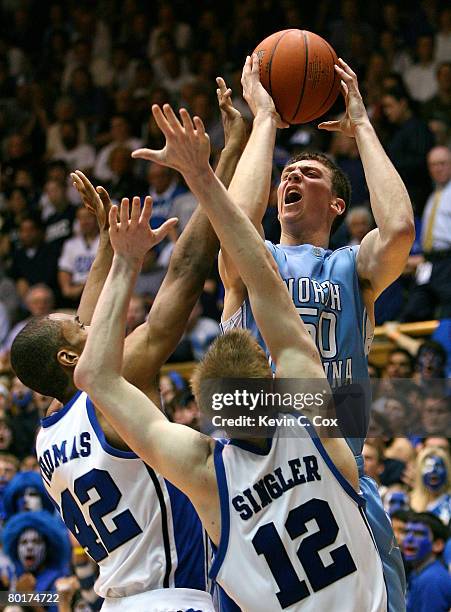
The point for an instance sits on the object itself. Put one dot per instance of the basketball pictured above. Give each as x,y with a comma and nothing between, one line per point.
297,70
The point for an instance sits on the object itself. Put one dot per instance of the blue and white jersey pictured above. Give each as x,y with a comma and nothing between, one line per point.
142,531
324,287
441,507
294,534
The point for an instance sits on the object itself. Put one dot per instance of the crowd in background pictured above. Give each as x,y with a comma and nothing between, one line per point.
77,81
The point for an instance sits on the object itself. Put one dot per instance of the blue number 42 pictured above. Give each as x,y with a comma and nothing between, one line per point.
100,542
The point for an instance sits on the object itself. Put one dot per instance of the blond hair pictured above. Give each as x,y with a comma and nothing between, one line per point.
421,495
236,354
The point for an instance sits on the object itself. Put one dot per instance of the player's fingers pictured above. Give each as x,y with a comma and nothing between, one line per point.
136,210
77,182
113,217
161,233
198,124
104,195
347,78
148,154
124,212
146,211
255,64
347,67
161,120
221,84
246,68
330,126
344,89
171,117
187,123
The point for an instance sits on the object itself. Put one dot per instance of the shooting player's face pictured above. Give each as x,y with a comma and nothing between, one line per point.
74,332
304,194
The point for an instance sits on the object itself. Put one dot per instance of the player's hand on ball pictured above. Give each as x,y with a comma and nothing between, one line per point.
355,114
232,121
131,236
96,199
187,146
258,99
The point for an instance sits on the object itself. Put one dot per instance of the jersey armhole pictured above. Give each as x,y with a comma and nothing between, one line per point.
221,479
345,484
115,452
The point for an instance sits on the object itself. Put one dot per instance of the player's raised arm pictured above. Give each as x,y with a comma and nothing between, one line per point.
251,183
166,446
98,202
187,150
383,252
150,345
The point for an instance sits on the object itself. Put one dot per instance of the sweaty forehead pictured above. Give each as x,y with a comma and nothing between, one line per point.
308,163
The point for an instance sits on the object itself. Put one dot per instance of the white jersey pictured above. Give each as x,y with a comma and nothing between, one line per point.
142,531
294,535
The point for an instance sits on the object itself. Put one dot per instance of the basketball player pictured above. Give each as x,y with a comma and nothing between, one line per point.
142,531
260,560
334,292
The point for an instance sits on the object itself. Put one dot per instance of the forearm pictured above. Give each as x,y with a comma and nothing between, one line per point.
96,279
101,359
255,266
251,182
390,202
228,162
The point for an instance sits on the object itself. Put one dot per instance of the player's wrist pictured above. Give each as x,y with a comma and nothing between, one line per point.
267,115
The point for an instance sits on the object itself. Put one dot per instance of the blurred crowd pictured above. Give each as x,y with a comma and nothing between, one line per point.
77,81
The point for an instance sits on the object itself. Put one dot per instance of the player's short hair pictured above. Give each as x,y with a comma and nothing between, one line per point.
34,357
235,354
341,186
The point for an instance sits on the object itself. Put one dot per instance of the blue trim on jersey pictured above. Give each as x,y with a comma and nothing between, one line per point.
115,452
56,416
189,542
349,489
253,448
225,515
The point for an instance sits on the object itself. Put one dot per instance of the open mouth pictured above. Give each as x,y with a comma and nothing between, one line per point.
410,551
292,196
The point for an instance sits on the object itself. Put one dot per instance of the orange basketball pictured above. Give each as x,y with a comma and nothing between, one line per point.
297,69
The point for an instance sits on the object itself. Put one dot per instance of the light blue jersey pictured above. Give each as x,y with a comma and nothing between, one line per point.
325,289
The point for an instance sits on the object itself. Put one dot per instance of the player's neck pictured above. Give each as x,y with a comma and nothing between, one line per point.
295,238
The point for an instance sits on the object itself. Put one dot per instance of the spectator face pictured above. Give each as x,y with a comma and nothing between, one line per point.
430,363
394,109
439,165
16,146
7,471
417,542
21,395
395,412
88,223
425,49
31,550
398,366
167,389
136,313
30,234
120,161
159,178
444,78
69,136
31,500
396,500
64,109
372,465
187,415
358,225
434,473
6,436
30,464
399,529
119,129
435,416
39,301
17,202
56,193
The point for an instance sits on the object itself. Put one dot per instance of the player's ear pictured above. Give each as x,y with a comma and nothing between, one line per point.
339,206
67,357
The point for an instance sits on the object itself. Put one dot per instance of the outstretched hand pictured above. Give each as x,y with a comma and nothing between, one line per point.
132,235
232,121
96,200
355,114
187,147
255,94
